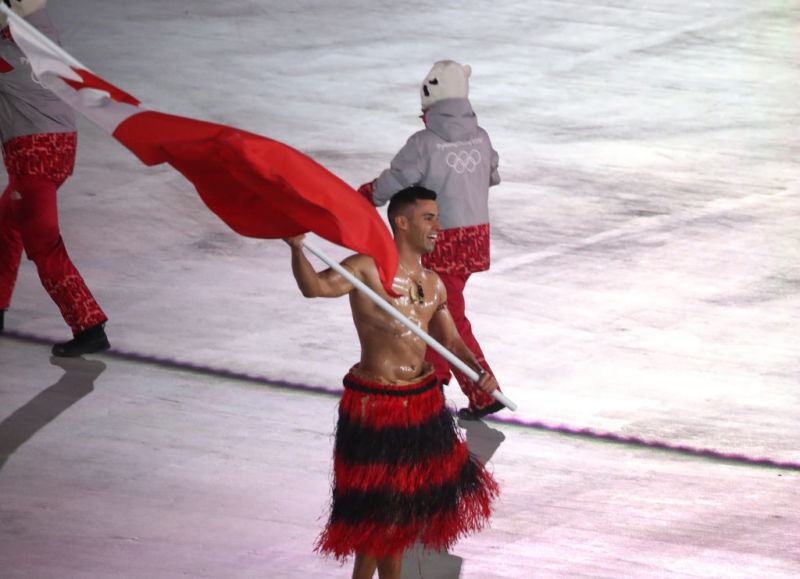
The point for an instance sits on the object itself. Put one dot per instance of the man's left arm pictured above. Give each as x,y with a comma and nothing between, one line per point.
443,329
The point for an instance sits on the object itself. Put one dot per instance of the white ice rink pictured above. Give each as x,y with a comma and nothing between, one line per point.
642,308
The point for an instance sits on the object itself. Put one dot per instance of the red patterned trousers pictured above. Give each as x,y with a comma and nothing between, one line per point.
37,166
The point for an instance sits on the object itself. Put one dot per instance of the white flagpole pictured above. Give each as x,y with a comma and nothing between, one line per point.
392,311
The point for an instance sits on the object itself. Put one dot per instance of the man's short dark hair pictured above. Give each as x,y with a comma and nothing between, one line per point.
405,199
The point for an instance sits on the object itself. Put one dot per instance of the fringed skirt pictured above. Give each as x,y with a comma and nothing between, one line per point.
402,473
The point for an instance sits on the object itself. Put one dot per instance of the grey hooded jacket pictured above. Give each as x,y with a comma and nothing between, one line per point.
452,156
26,107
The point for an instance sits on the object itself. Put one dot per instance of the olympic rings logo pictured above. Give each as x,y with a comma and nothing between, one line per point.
463,161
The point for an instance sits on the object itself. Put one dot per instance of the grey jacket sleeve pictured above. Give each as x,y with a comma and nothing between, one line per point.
494,174
405,170
27,107
494,177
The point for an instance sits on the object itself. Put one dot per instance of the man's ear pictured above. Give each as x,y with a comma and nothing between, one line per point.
401,222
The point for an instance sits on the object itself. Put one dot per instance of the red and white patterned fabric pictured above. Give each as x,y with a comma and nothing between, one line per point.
50,155
460,251
29,219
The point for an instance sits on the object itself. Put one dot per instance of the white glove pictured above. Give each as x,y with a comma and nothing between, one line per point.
25,7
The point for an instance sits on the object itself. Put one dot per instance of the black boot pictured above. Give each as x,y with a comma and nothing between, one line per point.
467,414
2,315
92,340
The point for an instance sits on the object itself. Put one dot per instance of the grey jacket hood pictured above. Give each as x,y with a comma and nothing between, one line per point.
452,119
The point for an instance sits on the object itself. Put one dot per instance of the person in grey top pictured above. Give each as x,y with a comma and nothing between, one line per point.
452,156
39,142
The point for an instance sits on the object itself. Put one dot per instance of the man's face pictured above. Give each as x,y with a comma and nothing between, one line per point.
424,225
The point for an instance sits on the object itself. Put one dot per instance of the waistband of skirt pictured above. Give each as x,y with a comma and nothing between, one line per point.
426,383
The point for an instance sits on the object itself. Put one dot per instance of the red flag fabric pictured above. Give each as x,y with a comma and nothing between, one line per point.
259,187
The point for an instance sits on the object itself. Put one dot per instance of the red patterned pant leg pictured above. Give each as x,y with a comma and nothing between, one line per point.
10,248
455,304
37,165
35,212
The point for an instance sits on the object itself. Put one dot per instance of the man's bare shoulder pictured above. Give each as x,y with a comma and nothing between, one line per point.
360,263
432,275
434,286
363,268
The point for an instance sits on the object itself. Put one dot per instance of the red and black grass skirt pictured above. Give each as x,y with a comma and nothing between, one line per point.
402,473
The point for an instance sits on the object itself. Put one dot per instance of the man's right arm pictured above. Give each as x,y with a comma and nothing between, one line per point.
326,284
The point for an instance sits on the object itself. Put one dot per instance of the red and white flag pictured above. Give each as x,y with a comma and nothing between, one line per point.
260,187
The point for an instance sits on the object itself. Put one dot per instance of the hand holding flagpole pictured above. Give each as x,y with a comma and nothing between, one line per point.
392,311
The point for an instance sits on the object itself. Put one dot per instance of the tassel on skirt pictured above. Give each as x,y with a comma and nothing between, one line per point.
402,473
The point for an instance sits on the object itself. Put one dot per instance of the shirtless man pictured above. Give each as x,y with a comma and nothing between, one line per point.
395,440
